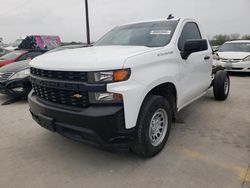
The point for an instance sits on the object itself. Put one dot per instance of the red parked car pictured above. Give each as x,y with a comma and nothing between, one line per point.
14,56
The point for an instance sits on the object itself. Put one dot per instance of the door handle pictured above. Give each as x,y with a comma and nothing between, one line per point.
207,57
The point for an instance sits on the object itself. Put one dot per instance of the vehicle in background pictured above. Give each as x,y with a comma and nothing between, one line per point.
34,44
215,48
3,51
43,42
234,56
14,78
19,55
15,44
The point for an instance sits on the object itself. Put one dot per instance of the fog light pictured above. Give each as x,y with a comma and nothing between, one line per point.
18,89
105,98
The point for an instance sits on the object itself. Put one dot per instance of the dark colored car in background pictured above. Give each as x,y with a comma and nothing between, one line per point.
14,78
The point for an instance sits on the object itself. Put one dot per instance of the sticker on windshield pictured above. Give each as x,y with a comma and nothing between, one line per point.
160,32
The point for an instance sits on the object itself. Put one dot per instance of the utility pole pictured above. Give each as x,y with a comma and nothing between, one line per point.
87,21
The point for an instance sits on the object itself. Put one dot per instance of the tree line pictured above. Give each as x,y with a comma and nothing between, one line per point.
220,39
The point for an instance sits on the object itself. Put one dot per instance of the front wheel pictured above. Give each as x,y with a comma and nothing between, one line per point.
221,85
153,126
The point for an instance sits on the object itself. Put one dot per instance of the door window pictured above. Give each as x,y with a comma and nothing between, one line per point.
189,32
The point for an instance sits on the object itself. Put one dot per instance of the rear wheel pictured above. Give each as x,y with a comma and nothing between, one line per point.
153,126
221,85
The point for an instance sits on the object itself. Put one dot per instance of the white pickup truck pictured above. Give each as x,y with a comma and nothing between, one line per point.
125,90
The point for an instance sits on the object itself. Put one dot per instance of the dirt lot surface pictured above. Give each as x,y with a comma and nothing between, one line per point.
209,146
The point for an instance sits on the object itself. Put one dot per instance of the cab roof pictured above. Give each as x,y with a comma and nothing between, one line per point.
155,20
238,41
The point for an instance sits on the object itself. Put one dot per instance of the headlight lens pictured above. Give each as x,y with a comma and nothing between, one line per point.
21,74
103,76
109,76
247,58
97,98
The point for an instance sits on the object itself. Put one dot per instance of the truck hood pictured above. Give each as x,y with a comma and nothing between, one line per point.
233,55
88,59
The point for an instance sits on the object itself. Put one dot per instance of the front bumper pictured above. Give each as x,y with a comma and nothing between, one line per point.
103,126
234,67
16,88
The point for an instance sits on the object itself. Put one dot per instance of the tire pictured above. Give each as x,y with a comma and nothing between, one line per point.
158,110
221,85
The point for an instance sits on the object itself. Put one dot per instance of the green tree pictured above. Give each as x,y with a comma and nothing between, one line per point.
220,39
245,37
235,36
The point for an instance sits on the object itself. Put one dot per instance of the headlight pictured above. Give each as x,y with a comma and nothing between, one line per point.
21,74
109,76
97,98
247,58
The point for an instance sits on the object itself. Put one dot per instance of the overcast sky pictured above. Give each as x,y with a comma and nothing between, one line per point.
66,17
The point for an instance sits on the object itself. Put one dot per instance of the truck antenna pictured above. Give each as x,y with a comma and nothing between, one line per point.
170,16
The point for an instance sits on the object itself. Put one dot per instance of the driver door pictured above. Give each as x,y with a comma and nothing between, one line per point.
195,71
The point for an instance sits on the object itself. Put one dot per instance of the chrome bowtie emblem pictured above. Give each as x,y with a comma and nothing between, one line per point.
77,96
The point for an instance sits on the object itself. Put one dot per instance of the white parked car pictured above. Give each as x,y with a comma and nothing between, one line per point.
234,56
126,89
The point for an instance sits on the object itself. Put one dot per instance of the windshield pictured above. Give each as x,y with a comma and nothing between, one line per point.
17,42
11,55
235,47
152,34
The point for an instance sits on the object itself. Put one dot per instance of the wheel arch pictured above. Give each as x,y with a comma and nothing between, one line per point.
166,90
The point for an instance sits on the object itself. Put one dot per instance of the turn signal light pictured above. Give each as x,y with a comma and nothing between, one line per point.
120,75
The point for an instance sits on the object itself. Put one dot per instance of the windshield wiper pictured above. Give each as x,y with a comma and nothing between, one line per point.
151,46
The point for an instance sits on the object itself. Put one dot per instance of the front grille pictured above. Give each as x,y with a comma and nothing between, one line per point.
59,87
65,97
60,75
5,76
237,68
230,60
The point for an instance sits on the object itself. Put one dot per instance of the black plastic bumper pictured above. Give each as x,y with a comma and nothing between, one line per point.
8,87
99,125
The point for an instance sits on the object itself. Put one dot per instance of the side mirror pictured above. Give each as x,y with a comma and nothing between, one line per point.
215,51
192,46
